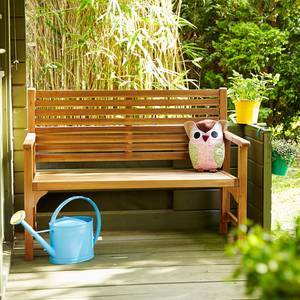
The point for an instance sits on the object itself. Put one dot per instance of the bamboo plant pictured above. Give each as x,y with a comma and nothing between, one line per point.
99,44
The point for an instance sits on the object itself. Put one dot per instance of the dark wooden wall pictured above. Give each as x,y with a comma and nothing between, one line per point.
18,53
12,39
259,175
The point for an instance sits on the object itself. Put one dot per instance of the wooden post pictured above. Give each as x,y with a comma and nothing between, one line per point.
242,193
31,110
225,196
223,103
29,173
28,198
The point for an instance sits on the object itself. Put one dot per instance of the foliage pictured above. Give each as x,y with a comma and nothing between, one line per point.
292,132
114,44
285,107
255,88
248,47
249,36
270,262
285,197
285,149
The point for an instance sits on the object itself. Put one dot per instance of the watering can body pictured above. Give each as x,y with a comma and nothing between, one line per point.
72,239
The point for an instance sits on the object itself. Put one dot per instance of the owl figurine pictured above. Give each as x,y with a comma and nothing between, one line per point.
206,145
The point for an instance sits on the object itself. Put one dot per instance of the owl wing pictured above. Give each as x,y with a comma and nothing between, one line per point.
219,154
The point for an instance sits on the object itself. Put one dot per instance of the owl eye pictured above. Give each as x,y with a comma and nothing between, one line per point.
214,134
197,135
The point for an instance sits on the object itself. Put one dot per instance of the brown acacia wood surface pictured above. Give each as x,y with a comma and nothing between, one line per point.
152,107
82,121
121,111
126,93
110,138
84,126
158,102
130,179
112,129
88,147
114,156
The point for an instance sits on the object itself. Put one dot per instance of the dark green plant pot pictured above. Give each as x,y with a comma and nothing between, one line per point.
280,166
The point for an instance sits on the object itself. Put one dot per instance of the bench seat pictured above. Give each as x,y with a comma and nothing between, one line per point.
110,179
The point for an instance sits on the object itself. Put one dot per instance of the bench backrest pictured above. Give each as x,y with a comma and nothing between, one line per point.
89,126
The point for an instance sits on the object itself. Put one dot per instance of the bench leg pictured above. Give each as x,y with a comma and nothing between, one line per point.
225,208
28,242
242,207
29,209
30,202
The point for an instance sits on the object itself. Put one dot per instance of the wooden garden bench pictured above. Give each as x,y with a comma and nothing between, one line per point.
67,129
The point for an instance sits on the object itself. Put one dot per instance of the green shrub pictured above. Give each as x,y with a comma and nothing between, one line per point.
249,37
248,47
270,263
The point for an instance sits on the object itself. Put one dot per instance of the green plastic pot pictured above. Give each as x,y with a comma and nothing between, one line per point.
280,166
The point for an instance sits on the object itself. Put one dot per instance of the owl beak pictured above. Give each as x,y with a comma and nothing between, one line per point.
205,137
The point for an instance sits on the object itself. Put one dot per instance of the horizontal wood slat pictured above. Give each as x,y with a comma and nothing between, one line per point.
127,93
131,103
93,157
74,139
111,147
120,112
117,121
176,128
131,178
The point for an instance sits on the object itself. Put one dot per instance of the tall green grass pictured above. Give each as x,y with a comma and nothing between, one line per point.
104,44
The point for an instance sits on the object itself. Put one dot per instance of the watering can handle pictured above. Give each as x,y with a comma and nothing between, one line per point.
98,216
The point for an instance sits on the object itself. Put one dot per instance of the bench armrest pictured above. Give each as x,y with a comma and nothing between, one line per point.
29,140
242,156
236,139
242,169
239,192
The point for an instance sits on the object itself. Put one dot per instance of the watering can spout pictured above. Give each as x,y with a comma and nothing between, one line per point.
19,218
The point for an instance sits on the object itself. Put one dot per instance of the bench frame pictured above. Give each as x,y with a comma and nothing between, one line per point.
33,189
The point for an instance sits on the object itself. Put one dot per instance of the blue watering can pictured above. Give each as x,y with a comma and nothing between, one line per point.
71,238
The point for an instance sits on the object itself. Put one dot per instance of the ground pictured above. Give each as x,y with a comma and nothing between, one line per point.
286,198
133,266
149,266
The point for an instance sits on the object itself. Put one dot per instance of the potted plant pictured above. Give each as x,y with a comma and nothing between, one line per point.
283,154
270,262
248,93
